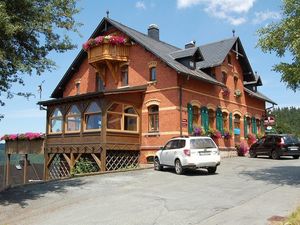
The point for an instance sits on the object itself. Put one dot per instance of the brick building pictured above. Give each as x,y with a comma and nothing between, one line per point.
126,93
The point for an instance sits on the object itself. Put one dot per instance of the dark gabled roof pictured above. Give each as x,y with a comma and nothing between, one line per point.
256,82
189,52
215,53
259,96
161,49
124,90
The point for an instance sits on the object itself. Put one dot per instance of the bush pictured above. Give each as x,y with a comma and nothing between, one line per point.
242,149
85,165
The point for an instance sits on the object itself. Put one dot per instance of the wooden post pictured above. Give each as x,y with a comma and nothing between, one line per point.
7,175
46,170
25,169
103,140
72,163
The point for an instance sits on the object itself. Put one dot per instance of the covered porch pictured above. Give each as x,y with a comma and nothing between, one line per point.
99,130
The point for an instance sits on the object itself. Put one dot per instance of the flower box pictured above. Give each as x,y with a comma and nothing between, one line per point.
24,146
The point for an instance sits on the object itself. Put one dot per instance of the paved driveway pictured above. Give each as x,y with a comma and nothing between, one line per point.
244,192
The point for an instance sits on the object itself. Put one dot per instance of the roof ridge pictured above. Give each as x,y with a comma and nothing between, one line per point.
215,42
109,19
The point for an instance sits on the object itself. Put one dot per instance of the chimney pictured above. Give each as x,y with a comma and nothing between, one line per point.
190,44
153,31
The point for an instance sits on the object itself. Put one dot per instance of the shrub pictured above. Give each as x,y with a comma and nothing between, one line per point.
85,165
242,149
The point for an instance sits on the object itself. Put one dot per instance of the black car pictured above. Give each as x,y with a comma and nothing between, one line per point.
276,145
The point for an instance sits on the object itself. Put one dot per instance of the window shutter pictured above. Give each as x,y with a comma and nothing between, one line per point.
204,118
230,122
190,118
245,126
254,126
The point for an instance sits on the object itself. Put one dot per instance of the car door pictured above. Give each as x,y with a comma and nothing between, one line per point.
165,153
268,145
172,152
259,146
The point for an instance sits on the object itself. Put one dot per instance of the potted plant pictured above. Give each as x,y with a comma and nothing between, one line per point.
242,148
215,134
227,134
199,131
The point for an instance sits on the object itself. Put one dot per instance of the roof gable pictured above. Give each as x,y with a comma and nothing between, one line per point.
160,49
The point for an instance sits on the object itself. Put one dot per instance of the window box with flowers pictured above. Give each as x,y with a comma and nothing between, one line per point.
215,134
27,143
225,92
199,131
237,93
227,134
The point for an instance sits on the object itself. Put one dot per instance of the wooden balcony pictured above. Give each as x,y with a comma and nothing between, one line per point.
108,52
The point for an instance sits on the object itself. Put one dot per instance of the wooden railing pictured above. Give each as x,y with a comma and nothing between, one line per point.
107,51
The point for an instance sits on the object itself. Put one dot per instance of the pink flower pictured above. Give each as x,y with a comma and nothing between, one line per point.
13,137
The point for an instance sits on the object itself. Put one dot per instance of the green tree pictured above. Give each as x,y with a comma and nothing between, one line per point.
30,30
284,37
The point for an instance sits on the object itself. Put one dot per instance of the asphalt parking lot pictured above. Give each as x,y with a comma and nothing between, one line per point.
244,191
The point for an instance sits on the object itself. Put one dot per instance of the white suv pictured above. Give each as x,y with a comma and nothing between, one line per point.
188,152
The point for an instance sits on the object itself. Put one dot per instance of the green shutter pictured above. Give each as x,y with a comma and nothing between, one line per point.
230,122
219,120
245,126
190,118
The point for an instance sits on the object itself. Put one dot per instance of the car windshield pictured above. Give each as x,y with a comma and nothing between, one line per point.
202,143
289,139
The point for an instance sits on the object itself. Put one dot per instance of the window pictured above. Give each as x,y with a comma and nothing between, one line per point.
225,121
73,119
224,78
237,128
77,86
153,74
92,117
211,118
124,76
56,121
122,117
99,83
196,116
130,119
153,118
229,59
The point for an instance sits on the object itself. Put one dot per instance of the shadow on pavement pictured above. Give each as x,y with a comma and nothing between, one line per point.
21,194
190,172
284,175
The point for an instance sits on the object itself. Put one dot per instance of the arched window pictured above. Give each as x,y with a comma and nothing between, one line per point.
225,121
130,119
237,128
224,78
121,117
204,118
124,76
153,74
196,116
73,119
211,118
92,117
56,121
153,118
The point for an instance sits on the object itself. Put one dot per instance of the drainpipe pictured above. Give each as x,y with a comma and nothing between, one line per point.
180,108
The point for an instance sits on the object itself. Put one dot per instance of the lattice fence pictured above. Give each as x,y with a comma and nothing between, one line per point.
59,167
120,160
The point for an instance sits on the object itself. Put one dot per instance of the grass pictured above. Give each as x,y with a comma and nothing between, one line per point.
293,218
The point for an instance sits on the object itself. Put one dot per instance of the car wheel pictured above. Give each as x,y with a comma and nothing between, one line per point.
296,156
211,170
157,165
274,155
178,167
252,154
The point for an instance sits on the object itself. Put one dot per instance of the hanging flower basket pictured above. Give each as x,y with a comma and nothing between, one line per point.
199,131
225,92
214,133
237,93
227,134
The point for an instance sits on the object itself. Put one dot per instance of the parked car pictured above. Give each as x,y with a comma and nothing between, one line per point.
276,145
188,152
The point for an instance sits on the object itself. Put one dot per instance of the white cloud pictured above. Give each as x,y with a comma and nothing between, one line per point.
265,15
232,11
140,5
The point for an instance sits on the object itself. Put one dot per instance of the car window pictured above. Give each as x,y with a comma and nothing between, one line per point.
168,145
181,144
202,143
174,144
269,140
289,139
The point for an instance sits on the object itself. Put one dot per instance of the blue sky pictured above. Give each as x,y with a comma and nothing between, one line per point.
180,21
